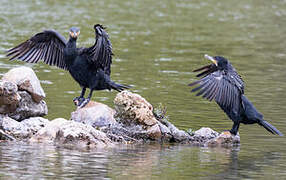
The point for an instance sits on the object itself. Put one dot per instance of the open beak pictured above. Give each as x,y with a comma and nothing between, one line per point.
211,58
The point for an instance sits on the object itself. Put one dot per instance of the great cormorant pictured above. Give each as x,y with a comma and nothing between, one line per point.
90,67
221,82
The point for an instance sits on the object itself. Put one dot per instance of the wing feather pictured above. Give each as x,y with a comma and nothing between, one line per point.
100,54
47,46
223,87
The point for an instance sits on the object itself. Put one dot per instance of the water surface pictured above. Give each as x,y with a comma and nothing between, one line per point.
157,44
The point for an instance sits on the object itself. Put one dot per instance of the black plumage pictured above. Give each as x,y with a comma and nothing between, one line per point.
90,67
221,82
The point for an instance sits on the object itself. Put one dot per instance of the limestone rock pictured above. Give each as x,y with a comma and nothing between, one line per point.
225,139
26,79
9,98
203,135
70,133
206,133
154,132
48,133
13,127
28,108
82,135
94,114
21,130
34,124
172,133
132,108
6,136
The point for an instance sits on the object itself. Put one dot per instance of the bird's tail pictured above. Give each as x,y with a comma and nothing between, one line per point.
270,127
118,87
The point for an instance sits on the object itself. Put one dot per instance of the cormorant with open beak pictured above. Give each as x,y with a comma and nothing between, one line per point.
221,82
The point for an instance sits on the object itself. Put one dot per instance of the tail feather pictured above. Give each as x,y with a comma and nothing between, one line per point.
270,127
118,87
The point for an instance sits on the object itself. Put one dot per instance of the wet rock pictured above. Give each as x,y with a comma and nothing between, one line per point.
82,135
5,136
165,132
13,128
28,108
48,133
26,79
211,138
201,136
206,133
21,130
225,139
70,133
135,115
132,108
34,124
154,132
94,114
9,98
172,133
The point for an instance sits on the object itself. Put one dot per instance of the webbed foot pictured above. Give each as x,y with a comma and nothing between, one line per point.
85,102
78,100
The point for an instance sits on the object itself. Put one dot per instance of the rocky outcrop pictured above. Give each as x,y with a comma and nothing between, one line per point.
27,107
225,139
26,80
208,137
21,130
9,97
94,114
137,122
70,133
34,124
134,120
132,108
21,95
48,133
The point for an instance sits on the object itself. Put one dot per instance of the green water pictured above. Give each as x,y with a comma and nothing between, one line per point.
157,44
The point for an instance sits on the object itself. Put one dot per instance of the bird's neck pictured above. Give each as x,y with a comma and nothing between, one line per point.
70,52
71,43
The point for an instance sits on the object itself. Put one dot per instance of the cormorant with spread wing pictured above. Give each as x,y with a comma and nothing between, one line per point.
90,67
221,82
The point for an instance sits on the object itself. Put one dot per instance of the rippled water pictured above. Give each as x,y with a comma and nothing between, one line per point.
157,44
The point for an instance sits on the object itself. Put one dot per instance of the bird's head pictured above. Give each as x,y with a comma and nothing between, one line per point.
98,29
74,32
219,61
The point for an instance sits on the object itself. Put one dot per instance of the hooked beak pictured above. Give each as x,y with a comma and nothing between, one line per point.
211,58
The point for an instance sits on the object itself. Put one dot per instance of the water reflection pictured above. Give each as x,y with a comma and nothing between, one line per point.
253,164
37,162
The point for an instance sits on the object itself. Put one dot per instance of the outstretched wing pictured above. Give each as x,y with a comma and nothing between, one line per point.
100,54
47,46
223,87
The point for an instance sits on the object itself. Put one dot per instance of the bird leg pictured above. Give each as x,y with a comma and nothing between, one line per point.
86,101
234,128
79,100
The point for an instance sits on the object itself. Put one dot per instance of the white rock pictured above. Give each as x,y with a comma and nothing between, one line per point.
94,114
26,79
28,108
